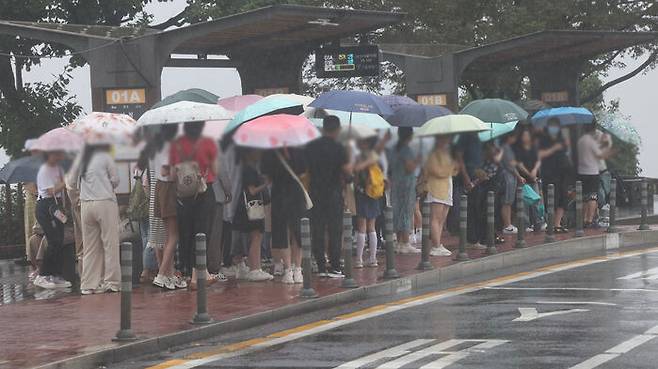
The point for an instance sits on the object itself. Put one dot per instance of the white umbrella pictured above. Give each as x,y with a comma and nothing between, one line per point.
451,124
105,128
184,111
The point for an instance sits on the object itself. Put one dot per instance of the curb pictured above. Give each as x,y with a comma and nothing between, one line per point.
540,255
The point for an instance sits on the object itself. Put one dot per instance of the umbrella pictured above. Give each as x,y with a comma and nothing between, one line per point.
495,110
271,106
373,121
496,130
193,94
58,139
533,105
29,143
416,115
21,170
452,124
238,102
566,115
301,99
352,101
184,111
357,132
397,101
276,131
105,128
619,126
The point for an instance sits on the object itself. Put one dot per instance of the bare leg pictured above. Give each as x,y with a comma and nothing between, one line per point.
167,258
439,213
506,214
255,238
559,213
418,216
403,237
295,251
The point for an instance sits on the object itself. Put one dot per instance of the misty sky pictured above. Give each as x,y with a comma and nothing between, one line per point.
637,95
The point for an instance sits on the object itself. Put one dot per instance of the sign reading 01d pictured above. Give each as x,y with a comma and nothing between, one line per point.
348,61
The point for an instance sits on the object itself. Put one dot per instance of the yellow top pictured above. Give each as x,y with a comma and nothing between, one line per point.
437,171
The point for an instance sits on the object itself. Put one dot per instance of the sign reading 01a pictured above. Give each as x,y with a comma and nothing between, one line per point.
348,61
131,101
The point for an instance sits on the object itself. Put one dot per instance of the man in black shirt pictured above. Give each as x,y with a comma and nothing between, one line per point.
328,167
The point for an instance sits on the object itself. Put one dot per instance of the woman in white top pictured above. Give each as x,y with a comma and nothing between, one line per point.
50,186
100,221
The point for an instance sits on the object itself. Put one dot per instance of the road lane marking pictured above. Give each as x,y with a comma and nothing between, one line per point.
530,314
571,289
391,353
618,350
575,303
645,274
225,352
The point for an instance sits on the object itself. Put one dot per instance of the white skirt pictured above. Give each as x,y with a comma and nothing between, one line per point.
433,200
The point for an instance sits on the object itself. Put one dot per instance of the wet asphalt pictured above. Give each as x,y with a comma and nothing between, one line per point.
596,316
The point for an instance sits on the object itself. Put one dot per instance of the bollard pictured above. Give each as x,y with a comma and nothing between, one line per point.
520,219
390,271
491,232
426,241
307,291
348,281
550,214
201,316
463,214
644,225
125,333
579,209
613,207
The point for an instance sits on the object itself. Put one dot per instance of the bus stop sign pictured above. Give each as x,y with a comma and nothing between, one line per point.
348,61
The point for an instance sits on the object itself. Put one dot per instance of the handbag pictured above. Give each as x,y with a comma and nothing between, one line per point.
307,198
255,208
138,203
57,212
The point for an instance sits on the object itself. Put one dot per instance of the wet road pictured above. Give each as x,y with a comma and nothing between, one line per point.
600,315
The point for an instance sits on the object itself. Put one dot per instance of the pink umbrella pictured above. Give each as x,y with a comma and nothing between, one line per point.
105,128
238,102
276,131
58,139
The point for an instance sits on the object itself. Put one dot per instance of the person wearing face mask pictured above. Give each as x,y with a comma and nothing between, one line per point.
556,168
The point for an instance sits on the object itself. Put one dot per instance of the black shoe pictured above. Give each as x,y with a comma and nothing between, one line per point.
335,273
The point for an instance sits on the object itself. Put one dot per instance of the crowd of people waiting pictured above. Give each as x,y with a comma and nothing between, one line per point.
250,202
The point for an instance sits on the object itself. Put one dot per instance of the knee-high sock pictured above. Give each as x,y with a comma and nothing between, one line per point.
360,244
372,245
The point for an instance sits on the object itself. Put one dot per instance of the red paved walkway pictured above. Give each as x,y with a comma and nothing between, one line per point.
40,331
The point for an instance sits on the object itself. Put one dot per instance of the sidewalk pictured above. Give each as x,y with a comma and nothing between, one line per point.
37,332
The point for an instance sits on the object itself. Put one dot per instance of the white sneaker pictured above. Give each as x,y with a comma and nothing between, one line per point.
164,282
278,269
61,282
544,226
179,282
87,292
108,287
45,282
297,275
477,246
241,271
288,277
408,249
229,272
440,251
372,264
358,264
412,238
510,230
529,229
219,277
258,275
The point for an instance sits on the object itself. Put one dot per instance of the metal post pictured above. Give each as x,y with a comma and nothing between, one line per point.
579,209
307,291
426,241
550,214
348,281
644,225
491,232
520,219
201,316
390,271
613,207
125,333
463,215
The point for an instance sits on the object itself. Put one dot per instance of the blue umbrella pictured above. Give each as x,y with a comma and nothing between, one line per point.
269,106
352,101
416,115
397,101
566,115
25,169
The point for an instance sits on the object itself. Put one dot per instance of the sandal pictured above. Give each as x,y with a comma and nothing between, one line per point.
560,230
499,239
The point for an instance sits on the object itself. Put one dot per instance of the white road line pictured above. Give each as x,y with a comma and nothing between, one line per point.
456,356
648,274
618,350
576,303
530,314
571,289
393,352
417,355
393,308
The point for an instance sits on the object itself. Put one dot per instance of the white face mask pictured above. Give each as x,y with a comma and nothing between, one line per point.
553,131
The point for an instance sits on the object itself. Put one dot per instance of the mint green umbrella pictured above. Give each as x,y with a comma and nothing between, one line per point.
268,106
495,110
193,95
497,130
369,120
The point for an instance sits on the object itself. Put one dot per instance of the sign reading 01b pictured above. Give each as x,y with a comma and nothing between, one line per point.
348,61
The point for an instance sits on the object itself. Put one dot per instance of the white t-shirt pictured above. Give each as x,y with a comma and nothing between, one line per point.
161,159
47,177
101,178
589,154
